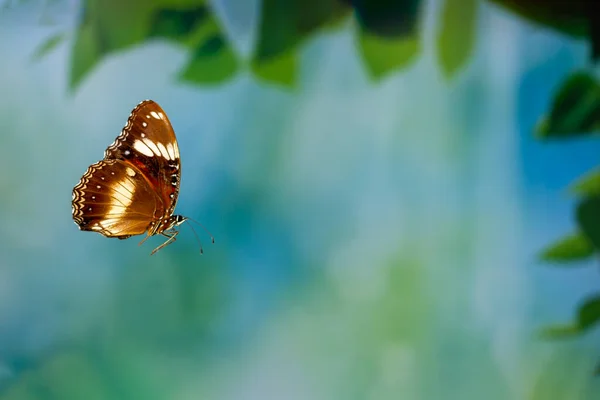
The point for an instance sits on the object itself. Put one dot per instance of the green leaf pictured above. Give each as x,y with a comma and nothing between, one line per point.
588,218
589,313
570,17
48,45
587,185
213,62
456,37
560,331
179,24
284,25
86,53
388,19
114,25
571,248
383,55
281,69
575,110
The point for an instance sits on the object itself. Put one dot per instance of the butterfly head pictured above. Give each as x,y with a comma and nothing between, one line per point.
173,221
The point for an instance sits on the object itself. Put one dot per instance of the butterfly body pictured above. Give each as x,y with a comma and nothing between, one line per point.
134,189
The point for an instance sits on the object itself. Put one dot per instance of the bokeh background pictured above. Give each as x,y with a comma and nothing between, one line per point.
392,219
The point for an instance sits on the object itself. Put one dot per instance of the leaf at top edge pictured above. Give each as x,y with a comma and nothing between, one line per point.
589,313
588,218
587,185
388,19
383,56
575,247
281,70
575,109
560,331
48,45
179,24
213,62
284,24
85,54
569,17
456,35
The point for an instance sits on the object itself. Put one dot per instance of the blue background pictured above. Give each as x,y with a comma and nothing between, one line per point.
374,240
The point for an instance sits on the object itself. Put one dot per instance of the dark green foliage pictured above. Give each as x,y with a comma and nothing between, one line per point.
588,218
178,24
575,110
588,316
571,248
578,18
110,26
387,18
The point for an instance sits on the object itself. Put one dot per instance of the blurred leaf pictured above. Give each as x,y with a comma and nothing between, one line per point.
570,17
560,331
383,56
387,19
213,59
571,248
456,37
588,218
589,313
284,25
113,25
587,185
575,110
179,24
86,53
48,45
280,69
213,62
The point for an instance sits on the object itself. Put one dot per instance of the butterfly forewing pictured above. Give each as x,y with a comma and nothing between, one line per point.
148,142
114,199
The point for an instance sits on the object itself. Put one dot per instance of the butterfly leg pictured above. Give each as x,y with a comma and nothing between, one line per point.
171,238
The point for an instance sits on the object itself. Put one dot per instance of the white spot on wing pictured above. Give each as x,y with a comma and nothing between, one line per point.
144,124
142,148
154,114
152,146
163,151
130,172
171,151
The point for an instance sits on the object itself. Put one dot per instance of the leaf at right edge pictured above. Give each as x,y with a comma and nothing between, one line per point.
456,35
575,247
588,219
383,56
560,331
48,45
589,313
587,185
575,109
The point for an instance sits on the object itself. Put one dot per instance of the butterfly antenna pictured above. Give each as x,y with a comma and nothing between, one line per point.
197,238
205,230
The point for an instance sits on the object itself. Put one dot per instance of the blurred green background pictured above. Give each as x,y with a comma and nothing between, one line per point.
390,186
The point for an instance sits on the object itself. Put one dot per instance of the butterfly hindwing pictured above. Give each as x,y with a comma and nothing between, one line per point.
114,199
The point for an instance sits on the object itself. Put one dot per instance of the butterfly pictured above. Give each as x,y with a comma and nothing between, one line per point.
134,189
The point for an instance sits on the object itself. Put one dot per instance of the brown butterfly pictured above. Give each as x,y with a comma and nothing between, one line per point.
134,189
